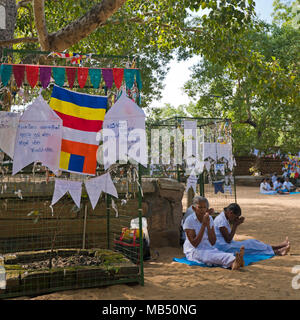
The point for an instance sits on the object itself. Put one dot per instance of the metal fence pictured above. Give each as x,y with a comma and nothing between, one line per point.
46,249
211,130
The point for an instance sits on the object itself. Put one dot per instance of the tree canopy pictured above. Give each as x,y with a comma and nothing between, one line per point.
153,30
257,86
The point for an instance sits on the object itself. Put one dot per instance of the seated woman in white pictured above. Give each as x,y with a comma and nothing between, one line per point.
200,238
225,234
288,185
265,187
278,187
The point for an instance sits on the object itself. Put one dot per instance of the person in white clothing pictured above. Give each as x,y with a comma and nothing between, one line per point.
285,172
265,187
201,237
278,187
188,212
288,185
225,234
274,178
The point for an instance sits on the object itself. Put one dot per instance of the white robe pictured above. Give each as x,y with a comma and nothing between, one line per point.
266,186
204,252
252,246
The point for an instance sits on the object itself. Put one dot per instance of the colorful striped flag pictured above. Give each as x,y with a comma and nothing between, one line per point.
82,116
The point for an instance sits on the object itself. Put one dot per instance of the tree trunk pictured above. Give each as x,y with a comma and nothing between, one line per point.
40,22
10,19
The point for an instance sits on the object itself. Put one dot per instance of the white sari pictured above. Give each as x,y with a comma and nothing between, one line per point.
252,246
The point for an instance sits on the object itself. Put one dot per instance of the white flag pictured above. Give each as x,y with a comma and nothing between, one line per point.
9,122
38,137
95,186
64,186
191,182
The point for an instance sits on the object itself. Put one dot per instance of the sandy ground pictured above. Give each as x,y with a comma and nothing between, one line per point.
268,218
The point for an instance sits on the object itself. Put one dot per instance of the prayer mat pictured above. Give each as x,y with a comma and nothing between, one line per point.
248,259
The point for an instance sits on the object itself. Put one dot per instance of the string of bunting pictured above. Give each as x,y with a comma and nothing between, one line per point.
75,58
44,73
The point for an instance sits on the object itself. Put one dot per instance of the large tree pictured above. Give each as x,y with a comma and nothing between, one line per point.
150,29
257,86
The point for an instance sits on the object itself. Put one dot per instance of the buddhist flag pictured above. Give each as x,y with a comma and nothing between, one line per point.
82,116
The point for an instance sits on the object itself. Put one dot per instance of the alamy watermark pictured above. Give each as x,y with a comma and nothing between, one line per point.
2,278
296,278
162,147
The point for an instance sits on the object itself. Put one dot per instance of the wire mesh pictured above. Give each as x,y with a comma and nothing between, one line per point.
217,186
46,249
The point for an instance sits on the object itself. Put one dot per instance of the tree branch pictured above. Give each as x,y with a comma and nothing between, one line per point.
4,43
85,25
24,3
40,23
250,122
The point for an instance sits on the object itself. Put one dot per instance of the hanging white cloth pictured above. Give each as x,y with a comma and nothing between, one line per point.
191,182
124,127
207,165
209,150
95,186
63,186
224,151
38,137
190,138
9,122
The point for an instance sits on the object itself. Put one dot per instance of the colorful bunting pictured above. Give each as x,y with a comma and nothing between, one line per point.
95,76
32,75
43,73
74,57
129,77
108,78
71,75
45,76
59,76
82,116
138,79
5,73
118,76
82,75
19,73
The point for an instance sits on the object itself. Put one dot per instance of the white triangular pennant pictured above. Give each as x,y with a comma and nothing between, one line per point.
191,182
63,186
95,186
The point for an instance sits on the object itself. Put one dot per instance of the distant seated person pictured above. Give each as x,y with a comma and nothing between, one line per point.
288,186
265,187
279,188
274,178
285,173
